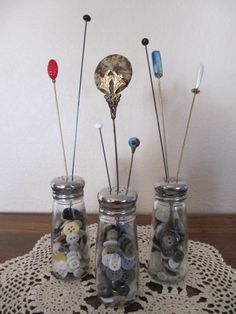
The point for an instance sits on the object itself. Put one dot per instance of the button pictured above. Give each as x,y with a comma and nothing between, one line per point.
159,229
128,263
72,238
59,256
129,249
127,229
128,276
114,275
110,249
73,263
178,256
112,234
169,239
73,254
110,243
162,214
114,262
60,267
106,259
72,214
172,264
71,227
74,247
121,288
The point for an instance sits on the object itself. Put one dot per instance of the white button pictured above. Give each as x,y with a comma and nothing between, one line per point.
73,263
72,238
72,254
106,259
162,214
173,264
60,268
115,262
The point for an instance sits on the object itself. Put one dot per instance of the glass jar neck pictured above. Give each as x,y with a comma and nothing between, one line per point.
69,201
113,219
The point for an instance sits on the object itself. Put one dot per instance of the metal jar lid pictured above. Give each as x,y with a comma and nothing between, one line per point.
171,191
113,203
65,188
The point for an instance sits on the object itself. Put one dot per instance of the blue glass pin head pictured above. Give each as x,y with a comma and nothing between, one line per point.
133,142
157,64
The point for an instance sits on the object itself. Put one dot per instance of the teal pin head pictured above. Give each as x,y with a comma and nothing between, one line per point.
133,142
157,64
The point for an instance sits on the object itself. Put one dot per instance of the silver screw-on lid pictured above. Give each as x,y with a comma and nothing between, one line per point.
172,190
113,203
66,188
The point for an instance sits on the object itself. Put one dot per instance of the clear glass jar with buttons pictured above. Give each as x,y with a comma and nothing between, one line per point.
168,245
117,261
70,241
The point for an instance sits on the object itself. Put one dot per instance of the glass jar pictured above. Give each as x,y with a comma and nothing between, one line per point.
168,246
70,241
117,262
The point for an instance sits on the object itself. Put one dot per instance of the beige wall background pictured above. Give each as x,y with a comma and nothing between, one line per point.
186,32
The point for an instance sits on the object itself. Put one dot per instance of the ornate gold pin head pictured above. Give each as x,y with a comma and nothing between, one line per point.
112,75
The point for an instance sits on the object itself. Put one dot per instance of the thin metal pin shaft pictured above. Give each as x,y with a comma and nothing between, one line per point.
116,156
130,170
105,159
185,137
60,128
78,103
156,111
163,127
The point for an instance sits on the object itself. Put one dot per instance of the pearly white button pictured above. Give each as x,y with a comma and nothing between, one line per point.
73,263
72,238
115,262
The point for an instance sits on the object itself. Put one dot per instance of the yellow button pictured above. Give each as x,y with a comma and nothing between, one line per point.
71,227
60,256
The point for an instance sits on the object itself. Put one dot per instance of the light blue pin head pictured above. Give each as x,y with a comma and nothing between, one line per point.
157,64
133,142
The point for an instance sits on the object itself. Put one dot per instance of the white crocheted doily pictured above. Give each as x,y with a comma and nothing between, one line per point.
28,287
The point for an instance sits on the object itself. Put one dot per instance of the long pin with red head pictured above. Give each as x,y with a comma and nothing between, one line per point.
53,72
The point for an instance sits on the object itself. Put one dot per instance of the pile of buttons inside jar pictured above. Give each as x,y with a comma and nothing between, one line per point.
70,245
167,258
117,267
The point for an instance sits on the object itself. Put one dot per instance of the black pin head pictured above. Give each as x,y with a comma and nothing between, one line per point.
145,41
87,18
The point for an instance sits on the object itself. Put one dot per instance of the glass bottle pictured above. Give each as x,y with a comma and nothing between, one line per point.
70,241
168,246
117,261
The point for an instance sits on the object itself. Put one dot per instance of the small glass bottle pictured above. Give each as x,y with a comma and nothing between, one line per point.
117,261
70,241
168,246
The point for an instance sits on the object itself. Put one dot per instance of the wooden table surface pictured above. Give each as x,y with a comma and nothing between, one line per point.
19,232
